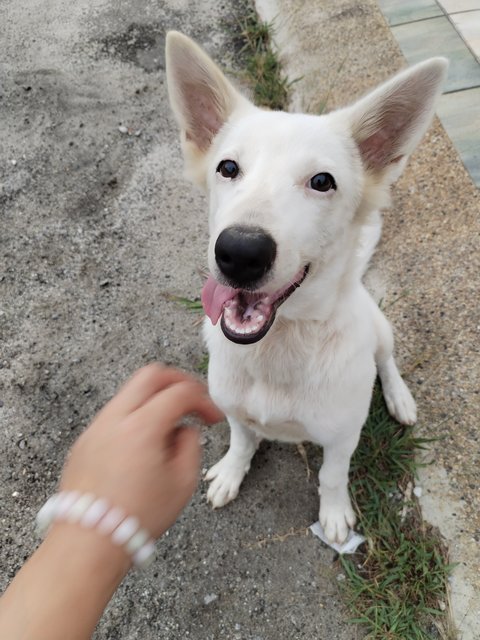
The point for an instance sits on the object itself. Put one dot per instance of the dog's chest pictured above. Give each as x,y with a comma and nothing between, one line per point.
288,431
293,386
279,390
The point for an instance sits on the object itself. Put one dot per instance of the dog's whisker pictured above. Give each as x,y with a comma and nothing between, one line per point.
203,272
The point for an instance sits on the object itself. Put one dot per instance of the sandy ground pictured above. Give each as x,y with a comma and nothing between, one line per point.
96,225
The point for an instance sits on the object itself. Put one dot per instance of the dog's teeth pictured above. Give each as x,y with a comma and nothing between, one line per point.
261,318
248,330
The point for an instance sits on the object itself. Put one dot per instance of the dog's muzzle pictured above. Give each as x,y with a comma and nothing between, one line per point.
246,316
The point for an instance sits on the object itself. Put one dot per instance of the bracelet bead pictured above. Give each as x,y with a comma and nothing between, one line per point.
144,556
65,503
125,530
77,510
111,520
137,541
94,513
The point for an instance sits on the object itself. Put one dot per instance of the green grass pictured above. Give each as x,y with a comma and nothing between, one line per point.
397,587
191,305
262,68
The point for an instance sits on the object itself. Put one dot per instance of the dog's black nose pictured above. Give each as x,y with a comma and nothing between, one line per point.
244,254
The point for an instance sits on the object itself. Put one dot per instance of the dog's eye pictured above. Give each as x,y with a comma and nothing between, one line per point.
228,169
323,182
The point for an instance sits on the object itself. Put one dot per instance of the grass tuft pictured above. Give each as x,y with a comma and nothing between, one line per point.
262,67
190,305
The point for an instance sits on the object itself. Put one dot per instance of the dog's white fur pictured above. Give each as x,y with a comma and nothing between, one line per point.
311,377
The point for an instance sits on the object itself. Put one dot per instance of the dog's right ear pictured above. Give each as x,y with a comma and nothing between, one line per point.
201,97
389,122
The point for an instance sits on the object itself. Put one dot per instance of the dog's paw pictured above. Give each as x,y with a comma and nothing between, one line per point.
336,521
400,402
226,477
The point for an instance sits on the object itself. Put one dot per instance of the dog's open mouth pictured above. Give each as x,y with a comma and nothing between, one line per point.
246,316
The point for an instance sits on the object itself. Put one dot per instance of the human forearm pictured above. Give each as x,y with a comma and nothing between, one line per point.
137,456
62,590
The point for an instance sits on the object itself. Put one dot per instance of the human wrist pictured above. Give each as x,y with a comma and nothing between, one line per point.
89,512
65,585
88,548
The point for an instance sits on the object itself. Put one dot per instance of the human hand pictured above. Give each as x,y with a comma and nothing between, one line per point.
136,453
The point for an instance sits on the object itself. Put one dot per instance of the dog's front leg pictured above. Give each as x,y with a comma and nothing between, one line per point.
336,512
398,398
227,475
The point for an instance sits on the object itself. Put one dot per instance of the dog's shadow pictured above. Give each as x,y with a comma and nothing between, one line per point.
281,486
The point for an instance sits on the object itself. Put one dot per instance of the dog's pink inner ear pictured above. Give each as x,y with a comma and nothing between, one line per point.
390,122
205,114
380,149
384,134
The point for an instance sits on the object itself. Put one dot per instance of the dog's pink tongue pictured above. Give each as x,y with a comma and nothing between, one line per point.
214,296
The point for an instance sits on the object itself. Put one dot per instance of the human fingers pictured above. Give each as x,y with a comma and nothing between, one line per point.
145,383
164,410
186,453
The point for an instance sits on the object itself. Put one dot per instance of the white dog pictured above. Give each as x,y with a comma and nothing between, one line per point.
295,340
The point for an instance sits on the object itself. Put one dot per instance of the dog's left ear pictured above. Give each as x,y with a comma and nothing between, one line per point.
388,123
201,97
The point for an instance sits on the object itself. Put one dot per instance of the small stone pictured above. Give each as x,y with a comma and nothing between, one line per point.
137,133
418,492
209,598
15,494
123,129
341,577
14,162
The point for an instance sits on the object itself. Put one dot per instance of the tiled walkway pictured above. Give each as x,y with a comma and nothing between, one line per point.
451,28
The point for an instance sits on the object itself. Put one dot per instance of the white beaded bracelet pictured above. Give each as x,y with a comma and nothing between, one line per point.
96,513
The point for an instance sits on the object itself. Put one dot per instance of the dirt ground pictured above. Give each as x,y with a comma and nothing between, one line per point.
97,224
